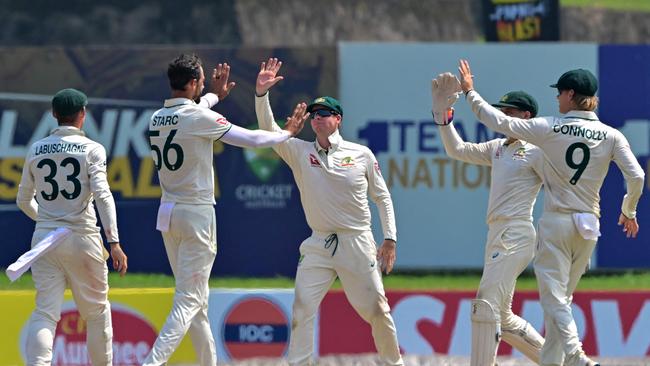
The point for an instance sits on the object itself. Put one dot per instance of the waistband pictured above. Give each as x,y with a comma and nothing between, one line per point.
339,233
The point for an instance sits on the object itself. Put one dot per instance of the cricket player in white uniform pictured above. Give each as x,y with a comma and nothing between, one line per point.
182,134
516,178
62,176
578,149
335,178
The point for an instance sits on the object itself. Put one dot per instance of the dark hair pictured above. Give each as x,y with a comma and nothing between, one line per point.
183,69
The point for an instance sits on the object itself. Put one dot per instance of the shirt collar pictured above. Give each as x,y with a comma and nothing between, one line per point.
175,102
334,139
588,115
67,131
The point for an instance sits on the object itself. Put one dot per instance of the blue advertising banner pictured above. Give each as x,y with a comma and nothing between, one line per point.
260,221
625,104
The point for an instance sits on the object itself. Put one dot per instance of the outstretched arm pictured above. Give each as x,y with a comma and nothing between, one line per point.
532,130
242,137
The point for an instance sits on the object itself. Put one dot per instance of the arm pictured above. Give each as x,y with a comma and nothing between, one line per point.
267,122
26,190
209,100
242,137
532,130
380,195
633,173
106,206
102,193
468,152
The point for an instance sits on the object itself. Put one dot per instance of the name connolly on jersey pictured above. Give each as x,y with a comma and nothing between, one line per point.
580,132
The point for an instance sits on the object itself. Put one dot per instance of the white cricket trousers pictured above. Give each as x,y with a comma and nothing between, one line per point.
509,249
562,258
353,258
191,245
80,262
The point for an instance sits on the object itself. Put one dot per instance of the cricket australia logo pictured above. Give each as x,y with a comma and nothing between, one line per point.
347,161
263,163
519,154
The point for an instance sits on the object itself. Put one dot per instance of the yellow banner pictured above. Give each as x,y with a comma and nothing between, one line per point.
138,314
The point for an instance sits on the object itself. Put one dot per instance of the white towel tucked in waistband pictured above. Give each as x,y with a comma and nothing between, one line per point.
164,216
51,241
587,224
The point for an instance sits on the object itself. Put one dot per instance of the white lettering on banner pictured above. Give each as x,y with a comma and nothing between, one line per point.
461,335
103,135
609,332
7,131
253,333
130,132
411,310
407,313
76,353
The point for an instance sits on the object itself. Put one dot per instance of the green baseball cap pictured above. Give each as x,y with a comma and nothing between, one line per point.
328,102
69,101
580,80
518,99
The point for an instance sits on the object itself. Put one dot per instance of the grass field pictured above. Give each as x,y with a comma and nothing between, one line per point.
623,281
630,5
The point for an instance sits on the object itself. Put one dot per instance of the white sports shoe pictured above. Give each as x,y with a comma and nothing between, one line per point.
579,359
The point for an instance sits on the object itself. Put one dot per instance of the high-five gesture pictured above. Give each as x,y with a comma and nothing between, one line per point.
268,76
296,122
219,84
466,82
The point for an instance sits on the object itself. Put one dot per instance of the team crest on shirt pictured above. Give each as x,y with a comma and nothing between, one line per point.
222,121
313,160
347,162
519,154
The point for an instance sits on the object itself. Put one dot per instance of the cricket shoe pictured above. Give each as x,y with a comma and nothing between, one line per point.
579,359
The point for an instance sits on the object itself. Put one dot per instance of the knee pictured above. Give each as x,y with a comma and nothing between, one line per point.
375,312
94,312
302,310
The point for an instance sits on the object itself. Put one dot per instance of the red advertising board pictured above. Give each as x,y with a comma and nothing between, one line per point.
610,324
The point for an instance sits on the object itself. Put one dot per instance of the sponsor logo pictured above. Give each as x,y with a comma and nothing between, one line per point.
377,168
255,326
133,337
313,160
494,255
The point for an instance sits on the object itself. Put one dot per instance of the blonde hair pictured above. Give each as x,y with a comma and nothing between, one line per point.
585,102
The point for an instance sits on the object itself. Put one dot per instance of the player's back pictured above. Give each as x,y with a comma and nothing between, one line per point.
181,136
60,165
578,150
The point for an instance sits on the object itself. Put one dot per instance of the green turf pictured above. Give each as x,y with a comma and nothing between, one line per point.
450,281
629,5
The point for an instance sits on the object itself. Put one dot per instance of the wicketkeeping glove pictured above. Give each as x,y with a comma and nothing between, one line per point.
445,91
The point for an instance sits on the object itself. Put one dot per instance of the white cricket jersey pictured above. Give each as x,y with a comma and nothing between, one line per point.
62,175
334,185
181,136
516,175
578,149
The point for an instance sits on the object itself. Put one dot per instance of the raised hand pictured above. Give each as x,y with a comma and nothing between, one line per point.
219,84
267,76
296,122
466,81
444,93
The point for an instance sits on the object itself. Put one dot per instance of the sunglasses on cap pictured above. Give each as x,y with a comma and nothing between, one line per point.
322,113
